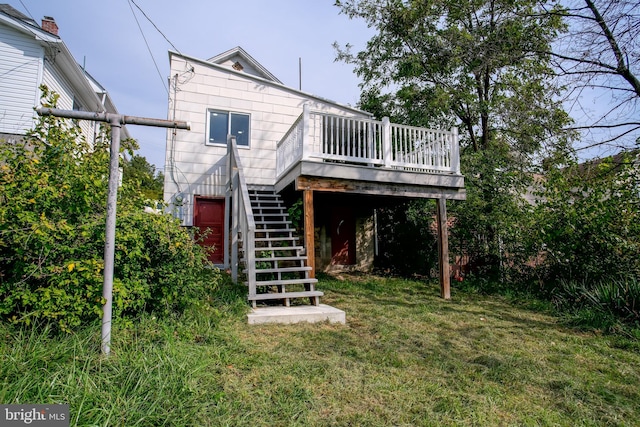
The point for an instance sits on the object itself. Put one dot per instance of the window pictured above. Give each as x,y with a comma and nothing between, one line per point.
77,106
222,123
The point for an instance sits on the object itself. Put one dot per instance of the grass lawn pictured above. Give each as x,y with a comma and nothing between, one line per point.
405,358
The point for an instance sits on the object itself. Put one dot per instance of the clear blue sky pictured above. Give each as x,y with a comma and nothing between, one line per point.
106,38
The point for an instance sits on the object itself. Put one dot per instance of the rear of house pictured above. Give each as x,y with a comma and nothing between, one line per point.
336,164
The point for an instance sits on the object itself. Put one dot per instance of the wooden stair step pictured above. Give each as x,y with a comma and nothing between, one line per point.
303,281
275,239
284,258
279,248
263,193
286,233
285,295
300,269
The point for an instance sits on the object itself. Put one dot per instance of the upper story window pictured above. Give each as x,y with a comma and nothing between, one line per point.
222,123
77,106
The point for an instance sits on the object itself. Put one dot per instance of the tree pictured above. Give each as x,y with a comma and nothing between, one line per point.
139,173
482,65
600,55
588,231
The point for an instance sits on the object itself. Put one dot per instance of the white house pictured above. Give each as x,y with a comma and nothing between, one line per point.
334,162
32,55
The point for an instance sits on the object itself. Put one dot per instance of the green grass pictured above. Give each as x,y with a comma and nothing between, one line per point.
405,358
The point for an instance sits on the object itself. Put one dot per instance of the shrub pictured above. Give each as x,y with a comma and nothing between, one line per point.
589,238
590,221
407,238
53,189
600,304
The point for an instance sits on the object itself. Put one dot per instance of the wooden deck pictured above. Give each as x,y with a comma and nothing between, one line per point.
322,152
333,177
338,154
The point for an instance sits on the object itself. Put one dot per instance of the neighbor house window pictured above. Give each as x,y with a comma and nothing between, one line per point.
77,106
223,123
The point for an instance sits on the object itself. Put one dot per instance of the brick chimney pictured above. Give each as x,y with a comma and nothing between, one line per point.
49,25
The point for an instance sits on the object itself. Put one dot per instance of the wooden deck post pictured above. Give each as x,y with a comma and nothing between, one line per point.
387,153
443,248
309,231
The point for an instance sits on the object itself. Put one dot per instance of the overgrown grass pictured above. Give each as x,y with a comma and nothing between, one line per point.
405,357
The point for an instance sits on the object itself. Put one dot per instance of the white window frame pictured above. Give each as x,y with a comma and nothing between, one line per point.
229,114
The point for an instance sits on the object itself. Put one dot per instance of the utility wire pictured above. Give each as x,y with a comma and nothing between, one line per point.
156,27
28,12
51,46
146,43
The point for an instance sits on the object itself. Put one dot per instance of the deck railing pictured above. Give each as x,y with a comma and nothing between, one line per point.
317,136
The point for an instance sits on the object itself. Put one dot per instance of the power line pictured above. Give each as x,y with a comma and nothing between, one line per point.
146,43
156,27
28,12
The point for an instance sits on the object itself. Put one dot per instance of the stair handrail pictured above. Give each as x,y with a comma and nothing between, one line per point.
243,222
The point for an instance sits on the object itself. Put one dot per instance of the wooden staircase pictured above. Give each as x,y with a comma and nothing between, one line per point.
281,271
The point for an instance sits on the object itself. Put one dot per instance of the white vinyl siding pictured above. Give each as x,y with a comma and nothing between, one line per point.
193,168
56,82
20,68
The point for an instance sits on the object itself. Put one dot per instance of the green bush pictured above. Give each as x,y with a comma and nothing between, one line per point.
589,221
587,232
53,189
600,304
407,238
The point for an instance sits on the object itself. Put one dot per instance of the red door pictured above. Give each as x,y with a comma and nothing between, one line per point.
209,219
343,236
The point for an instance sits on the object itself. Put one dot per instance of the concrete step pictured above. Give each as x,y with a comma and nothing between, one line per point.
296,314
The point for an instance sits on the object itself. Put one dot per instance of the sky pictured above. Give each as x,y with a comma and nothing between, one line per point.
133,65
128,55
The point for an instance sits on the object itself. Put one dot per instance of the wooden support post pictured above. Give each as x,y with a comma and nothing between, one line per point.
443,249
309,231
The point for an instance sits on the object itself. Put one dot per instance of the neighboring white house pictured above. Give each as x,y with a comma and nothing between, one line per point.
32,55
291,145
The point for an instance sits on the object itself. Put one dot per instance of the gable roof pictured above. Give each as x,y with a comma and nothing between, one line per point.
275,83
89,91
238,59
24,24
9,10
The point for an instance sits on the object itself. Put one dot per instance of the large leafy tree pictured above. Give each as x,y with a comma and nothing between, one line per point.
482,65
139,173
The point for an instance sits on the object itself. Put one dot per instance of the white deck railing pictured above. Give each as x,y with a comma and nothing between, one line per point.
318,136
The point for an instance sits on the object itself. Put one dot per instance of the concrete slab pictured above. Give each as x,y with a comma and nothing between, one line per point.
296,314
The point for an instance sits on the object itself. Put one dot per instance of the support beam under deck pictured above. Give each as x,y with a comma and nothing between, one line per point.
443,249
309,231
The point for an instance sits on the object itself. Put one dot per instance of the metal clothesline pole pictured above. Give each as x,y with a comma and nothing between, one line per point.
115,121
